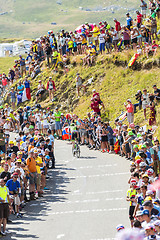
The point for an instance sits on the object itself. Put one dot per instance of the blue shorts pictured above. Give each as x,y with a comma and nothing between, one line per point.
57,125
102,46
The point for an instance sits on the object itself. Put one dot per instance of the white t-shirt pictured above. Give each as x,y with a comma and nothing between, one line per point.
37,117
6,127
116,35
101,38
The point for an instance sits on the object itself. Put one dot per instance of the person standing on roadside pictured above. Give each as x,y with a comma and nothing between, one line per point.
58,128
4,206
22,65
130,111
31,165
51,88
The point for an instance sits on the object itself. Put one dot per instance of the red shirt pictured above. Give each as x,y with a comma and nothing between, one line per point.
96,96
130,108
95,106
139,18
117,26
155,46
4,82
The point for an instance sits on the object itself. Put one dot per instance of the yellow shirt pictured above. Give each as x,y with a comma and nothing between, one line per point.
96,31
92,52
4,192
1,169
38,160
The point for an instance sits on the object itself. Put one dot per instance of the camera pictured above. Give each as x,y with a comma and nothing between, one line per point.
15,192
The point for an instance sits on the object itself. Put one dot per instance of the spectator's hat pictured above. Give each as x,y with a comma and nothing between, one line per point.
157,223
11,142
77,74
40,81
35,150
143,146
150,172
18,161
145,175
119,227
47,157
130,133
143,164
15,174
31,139
145,212
129,100
133,182
50,77
31,151
135,146
19,152
148,199
139,213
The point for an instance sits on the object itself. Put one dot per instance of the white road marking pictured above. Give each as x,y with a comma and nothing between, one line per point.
100,192
98,175
87,201
87,211
60,236
99,166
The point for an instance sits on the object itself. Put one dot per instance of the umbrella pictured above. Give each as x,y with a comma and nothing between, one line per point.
78,29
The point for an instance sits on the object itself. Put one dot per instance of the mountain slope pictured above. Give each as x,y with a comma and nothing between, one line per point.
33,18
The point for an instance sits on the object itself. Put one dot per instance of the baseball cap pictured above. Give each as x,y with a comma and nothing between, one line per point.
119,227
143,164
15,174
11,142
133,182
157,223
139,213
145,212
135,146
148,199
145,175
130,133
47,157
19,160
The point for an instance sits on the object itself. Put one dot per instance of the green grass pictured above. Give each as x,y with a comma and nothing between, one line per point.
6,63
38,15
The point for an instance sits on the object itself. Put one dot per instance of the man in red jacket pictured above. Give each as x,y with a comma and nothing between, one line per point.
139,19
51,88
117,25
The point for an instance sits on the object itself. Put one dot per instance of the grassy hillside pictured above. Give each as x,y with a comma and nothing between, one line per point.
111,79
33,18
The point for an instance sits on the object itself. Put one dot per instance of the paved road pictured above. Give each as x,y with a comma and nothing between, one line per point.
85,200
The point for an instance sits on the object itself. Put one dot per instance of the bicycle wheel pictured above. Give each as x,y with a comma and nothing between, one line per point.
73,151
78,153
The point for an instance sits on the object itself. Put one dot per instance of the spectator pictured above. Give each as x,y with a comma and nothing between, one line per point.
145,101
51,88
130,111
129,21
22,66
152,114
41,90
139,19
14,186
143,8
4,207
57,116
156,93
79,84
